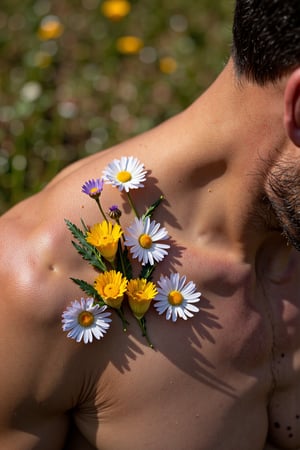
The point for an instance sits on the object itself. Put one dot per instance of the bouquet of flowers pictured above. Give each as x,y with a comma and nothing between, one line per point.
110,250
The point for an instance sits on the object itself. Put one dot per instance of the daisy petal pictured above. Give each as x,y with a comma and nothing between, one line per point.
126,173
83,320
176,298
142,237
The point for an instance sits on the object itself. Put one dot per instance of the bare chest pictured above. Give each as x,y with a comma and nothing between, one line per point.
211,380
203,376
283,301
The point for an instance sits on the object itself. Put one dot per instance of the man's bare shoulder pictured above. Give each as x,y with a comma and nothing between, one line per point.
37,256
34,257
36,388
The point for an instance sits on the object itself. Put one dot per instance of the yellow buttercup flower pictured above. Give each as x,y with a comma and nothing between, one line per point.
140,294
111,286
129,45
105,237
50,28
115,9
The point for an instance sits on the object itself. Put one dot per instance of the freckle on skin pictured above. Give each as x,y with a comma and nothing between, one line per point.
289,428
291,435
297,417
276,425
282,355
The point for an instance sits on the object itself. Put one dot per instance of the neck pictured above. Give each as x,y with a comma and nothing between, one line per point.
233,140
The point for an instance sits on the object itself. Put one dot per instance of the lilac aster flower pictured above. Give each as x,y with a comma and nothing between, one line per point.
93,188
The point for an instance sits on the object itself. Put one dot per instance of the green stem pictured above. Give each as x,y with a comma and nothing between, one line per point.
120,251
101,210
119,223
132,205
142,324
125,323
113,265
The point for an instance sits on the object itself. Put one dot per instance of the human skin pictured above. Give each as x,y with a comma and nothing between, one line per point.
226,379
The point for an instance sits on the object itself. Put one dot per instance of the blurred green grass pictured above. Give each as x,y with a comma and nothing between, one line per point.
68,91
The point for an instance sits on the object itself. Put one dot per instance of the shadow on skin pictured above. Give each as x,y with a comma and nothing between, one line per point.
145,201
180,343
190,335
187,353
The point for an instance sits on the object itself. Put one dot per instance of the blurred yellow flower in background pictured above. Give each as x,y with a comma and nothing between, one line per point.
167,65
42,59
115,9
129,45
50,28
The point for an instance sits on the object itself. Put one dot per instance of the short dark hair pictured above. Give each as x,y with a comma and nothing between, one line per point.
266,39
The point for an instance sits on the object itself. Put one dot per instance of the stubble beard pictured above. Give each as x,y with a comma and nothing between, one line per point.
283,194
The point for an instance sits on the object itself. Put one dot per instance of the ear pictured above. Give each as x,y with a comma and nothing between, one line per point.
292,107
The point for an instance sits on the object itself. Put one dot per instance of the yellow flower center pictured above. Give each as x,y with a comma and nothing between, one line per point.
85,319
93,190
111,290
145,241
175,298
124,176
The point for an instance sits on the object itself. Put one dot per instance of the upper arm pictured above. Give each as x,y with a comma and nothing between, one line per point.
43,372
35,354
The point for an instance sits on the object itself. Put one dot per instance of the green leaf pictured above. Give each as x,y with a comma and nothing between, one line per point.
88,289
76,232
91,255
152,208
87,251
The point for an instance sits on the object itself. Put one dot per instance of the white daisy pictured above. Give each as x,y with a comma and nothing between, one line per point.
142,237
125,173
84,320
175,298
